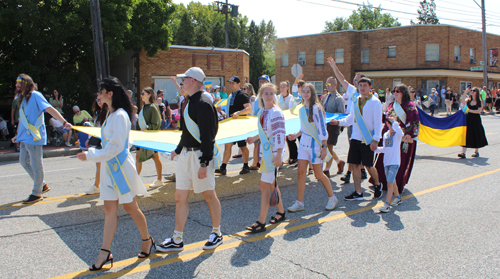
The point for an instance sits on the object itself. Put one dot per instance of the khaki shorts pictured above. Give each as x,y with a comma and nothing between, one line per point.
186,174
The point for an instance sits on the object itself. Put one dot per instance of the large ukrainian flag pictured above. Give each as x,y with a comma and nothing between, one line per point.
443,132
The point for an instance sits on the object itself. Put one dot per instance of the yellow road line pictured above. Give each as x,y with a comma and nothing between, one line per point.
56,199
250,239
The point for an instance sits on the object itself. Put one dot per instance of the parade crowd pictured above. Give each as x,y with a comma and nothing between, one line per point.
385,123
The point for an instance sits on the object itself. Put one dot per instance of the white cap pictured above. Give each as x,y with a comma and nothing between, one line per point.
194,72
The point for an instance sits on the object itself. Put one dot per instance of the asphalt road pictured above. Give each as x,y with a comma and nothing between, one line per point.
447,226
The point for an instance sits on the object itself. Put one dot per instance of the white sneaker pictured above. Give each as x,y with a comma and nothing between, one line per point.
396,202
296,206
385,208
332,203
156,183
93,190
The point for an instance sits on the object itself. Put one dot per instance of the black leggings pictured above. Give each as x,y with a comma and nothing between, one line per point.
292,148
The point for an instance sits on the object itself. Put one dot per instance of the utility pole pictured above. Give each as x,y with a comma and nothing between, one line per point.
485,54
223,8
100,47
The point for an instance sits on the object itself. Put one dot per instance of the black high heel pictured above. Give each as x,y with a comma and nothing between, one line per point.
143,255
94,268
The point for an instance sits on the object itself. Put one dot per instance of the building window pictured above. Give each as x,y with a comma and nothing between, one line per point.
396,82
391,51
339,56
365,56
432,52
457,51
472,53
302,58
464,85
318,85
284,60
320,57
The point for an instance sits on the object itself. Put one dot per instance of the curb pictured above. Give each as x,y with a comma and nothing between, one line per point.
9,157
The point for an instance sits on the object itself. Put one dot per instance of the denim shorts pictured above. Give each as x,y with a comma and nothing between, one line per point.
391,172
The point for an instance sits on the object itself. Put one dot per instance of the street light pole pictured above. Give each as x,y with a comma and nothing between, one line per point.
485,54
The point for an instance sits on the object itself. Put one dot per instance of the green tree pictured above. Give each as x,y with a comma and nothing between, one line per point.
366,17
256,53
52,40
426,13
186,31
269,43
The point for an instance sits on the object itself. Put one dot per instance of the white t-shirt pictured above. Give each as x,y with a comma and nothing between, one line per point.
348,96
372,114
392,146
306,141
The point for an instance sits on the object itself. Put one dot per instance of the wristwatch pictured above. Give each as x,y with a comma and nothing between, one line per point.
324,146
203,165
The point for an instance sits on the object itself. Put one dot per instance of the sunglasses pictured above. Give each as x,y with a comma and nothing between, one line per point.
328,84
244,88
412,91
76,111
98,100
397,91
143,93
182,79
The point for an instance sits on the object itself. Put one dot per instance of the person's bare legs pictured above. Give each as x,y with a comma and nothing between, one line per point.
323,179
140,221
246,154
138,165
214,207
374,174
256,151
227,152
335,158
181,209
265,195
158,165
97,174
110,221
356,175
301,179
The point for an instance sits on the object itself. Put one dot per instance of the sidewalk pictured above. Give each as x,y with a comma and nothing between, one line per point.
9,154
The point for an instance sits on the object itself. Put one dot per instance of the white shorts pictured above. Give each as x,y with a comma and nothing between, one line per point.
308,154
267,177
186,174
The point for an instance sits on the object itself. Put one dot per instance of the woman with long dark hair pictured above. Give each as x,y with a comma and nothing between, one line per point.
119,178
475,136
57,101
149,119
406,112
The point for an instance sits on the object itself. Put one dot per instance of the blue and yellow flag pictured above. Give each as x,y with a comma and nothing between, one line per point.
443,132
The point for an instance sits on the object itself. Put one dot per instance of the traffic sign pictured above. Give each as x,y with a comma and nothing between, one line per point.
474,69
296,70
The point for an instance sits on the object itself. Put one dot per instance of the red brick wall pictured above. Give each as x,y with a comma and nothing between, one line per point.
176,61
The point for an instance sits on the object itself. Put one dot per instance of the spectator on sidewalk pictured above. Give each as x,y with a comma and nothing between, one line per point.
81,116
14,117
4,132
57,101
59,128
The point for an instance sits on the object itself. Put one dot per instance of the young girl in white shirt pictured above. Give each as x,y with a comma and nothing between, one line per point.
272,121
310,150
392,159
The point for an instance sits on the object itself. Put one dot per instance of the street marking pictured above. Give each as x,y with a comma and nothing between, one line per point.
58,199
247,240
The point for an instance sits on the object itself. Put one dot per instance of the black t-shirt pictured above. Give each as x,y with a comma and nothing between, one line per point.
240,99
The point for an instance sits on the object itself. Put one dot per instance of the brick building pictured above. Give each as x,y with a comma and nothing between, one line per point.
416,55
137,70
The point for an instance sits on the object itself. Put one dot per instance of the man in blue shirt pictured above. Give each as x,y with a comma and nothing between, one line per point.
31,133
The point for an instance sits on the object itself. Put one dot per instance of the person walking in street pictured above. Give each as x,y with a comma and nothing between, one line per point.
271,124
475,135
118,174
286,101
333,103
366,115
195,166
238,104
31,133
149,119
312,147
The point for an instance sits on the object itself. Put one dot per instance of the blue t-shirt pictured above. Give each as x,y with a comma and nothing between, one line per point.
35,106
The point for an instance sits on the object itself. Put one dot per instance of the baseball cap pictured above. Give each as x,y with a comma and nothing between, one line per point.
235,79
194,72
265,77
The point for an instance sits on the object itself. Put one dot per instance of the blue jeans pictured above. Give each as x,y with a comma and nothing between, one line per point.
390,173
30,157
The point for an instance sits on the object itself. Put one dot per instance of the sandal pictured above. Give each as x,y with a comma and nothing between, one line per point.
461,155
476,154
143,255
257,227
109,258
274,220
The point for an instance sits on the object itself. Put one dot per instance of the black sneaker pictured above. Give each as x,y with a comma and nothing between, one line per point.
170,246
378,191
32,199
346,178
221,171
363,174
354,197
45,189
213,241
245,170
